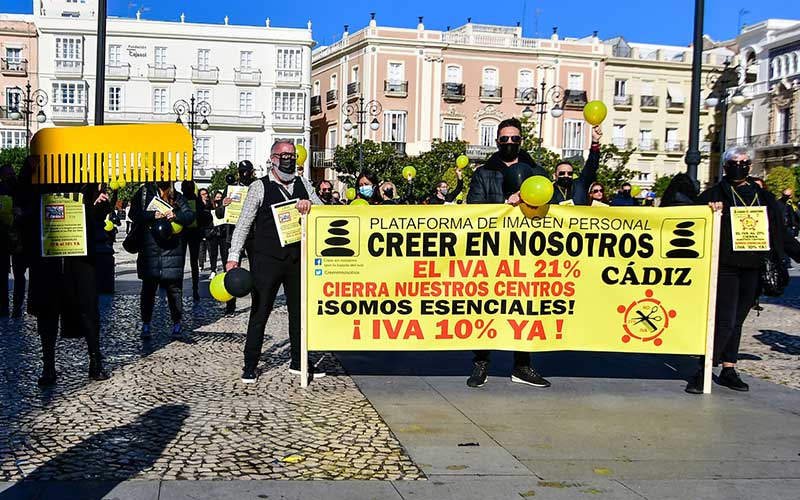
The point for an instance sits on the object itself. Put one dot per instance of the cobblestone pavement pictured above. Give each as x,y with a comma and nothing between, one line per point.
176,409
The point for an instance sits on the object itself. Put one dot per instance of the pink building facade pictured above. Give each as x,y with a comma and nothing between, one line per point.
18,66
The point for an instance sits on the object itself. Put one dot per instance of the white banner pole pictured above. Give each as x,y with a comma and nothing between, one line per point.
303,309
712,304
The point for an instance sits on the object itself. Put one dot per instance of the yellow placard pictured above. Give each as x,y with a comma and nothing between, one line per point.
237,194
158,205
6,210
63,224
750,229
287,222
488,277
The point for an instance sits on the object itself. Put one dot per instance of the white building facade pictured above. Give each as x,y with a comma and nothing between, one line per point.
255,80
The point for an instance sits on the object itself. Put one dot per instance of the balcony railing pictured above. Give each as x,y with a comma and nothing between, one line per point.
289,119
322,158
205,75
675,107
479,153
575,99
118,71
523,95
223,119
5,114
288,75
622,142
331,97
73,113
13,67
648,102
571,153
247,76
648,145
782,139
395,89
400,147
161,73
316,104
491,94
623,101
353,88
674,146
69,67
453,91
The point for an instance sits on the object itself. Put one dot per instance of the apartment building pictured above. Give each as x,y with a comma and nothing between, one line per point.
18,67
255,80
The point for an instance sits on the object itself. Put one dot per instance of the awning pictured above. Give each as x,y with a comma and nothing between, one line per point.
675,94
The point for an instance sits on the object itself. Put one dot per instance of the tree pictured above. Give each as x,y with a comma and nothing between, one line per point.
218,178
780,178
14,157
379,158
613,172
126,194
661,185
432,167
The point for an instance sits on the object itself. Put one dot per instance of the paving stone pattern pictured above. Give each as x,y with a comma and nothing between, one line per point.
770,347
176,409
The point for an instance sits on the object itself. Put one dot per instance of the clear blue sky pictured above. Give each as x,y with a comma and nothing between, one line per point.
666,21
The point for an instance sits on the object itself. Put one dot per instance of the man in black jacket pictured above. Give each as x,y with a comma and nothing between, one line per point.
442,195
487,187
569,191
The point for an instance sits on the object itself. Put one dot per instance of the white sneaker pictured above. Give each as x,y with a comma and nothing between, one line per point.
313,371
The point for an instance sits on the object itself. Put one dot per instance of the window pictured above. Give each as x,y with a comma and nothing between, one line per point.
245,149
203,95
452,131
289,105
290,58
573,138
160,100
354,74
394,126
333,82
747,127
245,59
332,135
453,74
489,78
618,135
575,81
13,98
316,88
203,59
13,57
671,137
114,55
247,102
646,139
525,79
12,139
114,98
620,88
161,57
647,88
69,52
69,97
396,73
784,124
488,134
202,150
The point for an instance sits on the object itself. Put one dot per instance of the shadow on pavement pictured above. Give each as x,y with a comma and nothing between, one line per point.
780,342
127,450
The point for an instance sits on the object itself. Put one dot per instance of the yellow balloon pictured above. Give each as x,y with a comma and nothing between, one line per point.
217,288
635,190
302,154
595,112
176,228
359,202
536,191
531,212
409,170
109,226
350,194
121,183
114,185
462,161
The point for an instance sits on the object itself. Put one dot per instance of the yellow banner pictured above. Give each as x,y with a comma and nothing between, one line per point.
488,277
63,225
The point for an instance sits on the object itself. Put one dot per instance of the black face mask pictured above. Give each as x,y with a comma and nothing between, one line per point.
287,165
736,171
326,195
509,151
785,197
389,192
163,185
564,182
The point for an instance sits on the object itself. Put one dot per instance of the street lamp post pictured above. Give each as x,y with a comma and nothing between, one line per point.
693,151
362,112
540,98
194,110
724,86
31,98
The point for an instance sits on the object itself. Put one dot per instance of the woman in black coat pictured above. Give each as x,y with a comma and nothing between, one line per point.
192,235
160,260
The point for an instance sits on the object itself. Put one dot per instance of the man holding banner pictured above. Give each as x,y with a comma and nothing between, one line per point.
274,257
575,191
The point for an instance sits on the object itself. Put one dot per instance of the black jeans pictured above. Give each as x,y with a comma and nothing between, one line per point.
214,250
194,251
736,294
17,263
268,275
48,334
201,259
520,358
174,291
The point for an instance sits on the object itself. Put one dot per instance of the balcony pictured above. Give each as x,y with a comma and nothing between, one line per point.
674,147
648,145
622,142
118,71
395,89
477,152
322,158
205,75
648,103
331,97
4,115
161,73
288,119
491,94
623,101
247,77
289,76
13,67
523,95
400,147
69,68
316,104
353,90
675,107
217,120
571,153
69,113
453,92
574,99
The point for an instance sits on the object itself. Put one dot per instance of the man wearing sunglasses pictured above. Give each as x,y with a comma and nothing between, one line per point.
570,190
325,193
487,187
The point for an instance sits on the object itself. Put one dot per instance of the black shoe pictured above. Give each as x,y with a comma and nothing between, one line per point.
527,375
177,331
249,375
48,378
145,331
96,370
195,295
695,383
480,372
730,379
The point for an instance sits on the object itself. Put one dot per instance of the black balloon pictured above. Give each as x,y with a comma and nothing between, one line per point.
238,282
514,176
230,179
161,231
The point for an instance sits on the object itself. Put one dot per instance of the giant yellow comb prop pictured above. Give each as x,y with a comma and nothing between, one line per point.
135,153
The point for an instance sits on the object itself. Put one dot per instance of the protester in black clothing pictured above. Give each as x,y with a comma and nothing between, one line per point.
215,238
367,188
574,191
443,195
204,201
388,193
11,256
487,187
623,197
161,260
337,198
192,235
738,270
63,290
325,193
681,191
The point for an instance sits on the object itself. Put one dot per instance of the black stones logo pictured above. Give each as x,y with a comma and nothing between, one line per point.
682,238
338,236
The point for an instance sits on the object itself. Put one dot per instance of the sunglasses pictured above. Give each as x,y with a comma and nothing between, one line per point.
515,139
739,163
564,173
324,190
286,156
597,190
